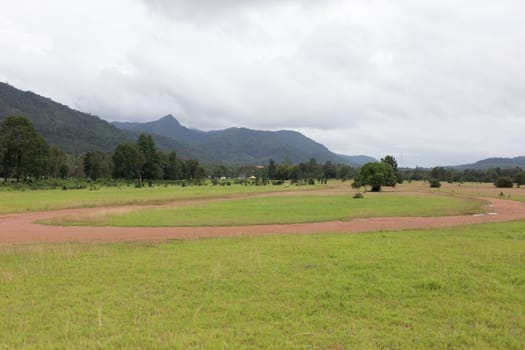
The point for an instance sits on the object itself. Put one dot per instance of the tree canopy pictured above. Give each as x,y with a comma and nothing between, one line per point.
24,150
389,159
376,174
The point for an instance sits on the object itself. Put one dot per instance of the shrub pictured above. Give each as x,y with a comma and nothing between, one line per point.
359,195
435,183
504,182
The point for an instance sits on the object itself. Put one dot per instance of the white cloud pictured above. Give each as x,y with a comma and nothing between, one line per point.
441,82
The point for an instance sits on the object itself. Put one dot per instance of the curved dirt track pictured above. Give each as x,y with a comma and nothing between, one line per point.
19,228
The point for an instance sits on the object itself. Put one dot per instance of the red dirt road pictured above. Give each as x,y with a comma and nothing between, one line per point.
19,228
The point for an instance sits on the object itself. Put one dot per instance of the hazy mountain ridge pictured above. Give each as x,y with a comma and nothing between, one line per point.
73,131
243,145
76,132
496,162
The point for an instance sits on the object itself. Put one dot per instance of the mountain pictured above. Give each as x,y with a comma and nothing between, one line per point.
167,126
503,163
244,146
360,160
72,131
76,132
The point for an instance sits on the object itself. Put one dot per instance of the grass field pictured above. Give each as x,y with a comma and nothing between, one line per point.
485,190
283,209
448,288
33,200
466,189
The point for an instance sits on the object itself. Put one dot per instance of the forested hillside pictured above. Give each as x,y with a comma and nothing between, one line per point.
503,163
72,131
245,146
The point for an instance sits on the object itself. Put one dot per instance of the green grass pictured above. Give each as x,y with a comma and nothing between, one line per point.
34,200
449,288
283,209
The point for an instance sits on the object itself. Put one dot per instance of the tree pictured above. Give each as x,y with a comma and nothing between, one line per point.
376,174
504,182
96,165
219,171
344,172
192,170
151,166
2,151
25,151
283,171
172,167
329,170
435,183
272,169
57,164
393,163
127,162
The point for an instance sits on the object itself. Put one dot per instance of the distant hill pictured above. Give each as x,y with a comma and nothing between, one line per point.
244,146
358,159
72,131
76,132
503,163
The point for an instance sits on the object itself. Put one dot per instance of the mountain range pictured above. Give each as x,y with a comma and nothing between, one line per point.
76,132
503,163
73,131
244,146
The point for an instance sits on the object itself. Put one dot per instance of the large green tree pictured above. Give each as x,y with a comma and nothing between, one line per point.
375,175
127,162
96,165
25,151
192,170
151,168
393,163
171,166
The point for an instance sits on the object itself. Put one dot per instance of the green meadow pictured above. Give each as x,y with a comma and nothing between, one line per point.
284,209
12,201
449,288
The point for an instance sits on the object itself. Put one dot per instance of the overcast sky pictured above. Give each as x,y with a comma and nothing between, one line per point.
431,82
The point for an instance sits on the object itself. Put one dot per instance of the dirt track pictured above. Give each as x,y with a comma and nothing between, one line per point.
19,228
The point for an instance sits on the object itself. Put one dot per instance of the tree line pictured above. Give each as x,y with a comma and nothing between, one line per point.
25,154
516,175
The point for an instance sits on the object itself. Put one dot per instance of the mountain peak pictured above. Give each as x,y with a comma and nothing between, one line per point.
167,119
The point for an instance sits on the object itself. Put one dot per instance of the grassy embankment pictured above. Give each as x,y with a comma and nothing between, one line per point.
282,209
449,288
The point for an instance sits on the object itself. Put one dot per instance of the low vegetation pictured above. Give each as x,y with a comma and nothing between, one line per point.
504,182
282,210
448,288
123,194
434,183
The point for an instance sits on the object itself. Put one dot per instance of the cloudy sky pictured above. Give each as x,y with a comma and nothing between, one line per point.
432,82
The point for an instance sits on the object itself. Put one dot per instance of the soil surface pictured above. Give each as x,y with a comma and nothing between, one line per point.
20,228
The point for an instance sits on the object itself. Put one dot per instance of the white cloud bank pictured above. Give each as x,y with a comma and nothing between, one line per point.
438,82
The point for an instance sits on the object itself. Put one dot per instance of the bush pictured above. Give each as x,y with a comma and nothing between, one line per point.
359,195
504,182
435,183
